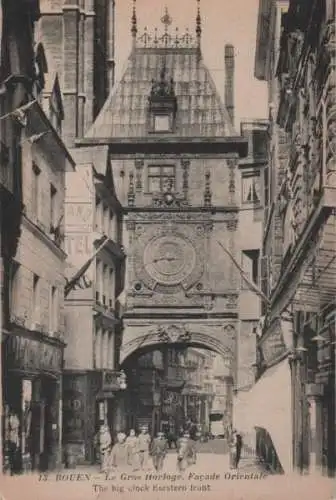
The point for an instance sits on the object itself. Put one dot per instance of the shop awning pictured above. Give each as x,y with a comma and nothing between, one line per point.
268,405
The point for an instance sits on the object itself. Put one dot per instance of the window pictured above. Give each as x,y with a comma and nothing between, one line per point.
266,187
158,176
105,284
162,123
53,193
111,288
36,299
259,139
106,221
250,264
53,310
13,284
251,187
99,281
35,194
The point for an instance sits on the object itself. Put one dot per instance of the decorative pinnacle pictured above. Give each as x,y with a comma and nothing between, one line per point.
198,22
134,28
166,19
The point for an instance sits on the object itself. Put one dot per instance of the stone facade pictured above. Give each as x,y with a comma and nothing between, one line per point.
79,40
175,158
299,274
33,339
93,326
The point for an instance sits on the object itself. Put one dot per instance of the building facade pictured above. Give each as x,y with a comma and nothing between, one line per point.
78,37
296,56
33,340
175,161
251,212
93,215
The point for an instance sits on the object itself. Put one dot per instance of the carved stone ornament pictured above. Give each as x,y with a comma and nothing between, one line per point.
232,222
173,333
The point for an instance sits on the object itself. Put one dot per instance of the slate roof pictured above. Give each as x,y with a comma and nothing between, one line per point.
200,111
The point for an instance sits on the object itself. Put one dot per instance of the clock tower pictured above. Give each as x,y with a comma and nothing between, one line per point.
174,154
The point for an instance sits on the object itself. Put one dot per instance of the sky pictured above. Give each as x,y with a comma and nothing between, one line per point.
223,21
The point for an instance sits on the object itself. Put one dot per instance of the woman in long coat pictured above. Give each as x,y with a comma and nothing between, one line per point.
186,452
132,442
105,442
120,454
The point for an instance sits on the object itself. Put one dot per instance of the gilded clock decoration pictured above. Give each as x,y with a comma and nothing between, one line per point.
169,259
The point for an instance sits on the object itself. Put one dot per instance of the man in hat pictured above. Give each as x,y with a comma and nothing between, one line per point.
144,442
159,450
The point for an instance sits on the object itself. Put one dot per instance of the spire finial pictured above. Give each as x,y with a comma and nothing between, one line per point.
134,28
198,24
166,19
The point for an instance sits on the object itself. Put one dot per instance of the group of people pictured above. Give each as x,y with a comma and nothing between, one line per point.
134,451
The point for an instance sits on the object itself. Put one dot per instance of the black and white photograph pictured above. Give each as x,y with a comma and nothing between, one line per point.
168,249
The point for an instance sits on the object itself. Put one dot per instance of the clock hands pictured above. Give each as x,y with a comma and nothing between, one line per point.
159,259
168,258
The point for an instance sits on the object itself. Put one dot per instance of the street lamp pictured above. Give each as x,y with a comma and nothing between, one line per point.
122,380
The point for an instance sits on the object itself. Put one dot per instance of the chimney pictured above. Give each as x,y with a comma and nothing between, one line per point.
229,81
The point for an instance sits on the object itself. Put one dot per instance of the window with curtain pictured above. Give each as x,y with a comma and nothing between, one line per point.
251,188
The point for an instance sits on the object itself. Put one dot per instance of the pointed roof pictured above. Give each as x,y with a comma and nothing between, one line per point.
200,110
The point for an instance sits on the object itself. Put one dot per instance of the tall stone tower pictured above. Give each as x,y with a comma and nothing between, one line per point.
78,37
174,155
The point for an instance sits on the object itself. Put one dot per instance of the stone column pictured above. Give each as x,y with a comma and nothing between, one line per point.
314,394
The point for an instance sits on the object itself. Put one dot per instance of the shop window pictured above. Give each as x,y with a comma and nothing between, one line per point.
159,176
251,188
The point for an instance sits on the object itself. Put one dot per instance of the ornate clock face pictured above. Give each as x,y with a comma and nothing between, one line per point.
169,259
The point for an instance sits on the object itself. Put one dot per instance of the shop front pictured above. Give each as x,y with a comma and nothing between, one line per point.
32,366
80,416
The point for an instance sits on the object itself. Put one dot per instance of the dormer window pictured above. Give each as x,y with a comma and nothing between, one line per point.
162,105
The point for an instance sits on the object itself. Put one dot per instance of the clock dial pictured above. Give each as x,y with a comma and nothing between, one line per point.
169,260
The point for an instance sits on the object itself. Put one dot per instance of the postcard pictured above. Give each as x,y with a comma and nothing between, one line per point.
168,272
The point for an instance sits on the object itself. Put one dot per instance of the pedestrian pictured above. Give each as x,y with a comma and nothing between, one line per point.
105,442
144,442
132,442
186,452
159,448
239,445
13,442
236,443
120,457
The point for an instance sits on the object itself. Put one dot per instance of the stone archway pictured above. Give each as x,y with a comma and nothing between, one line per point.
175,334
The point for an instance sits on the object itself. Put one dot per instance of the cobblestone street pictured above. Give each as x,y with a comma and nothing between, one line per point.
210,476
